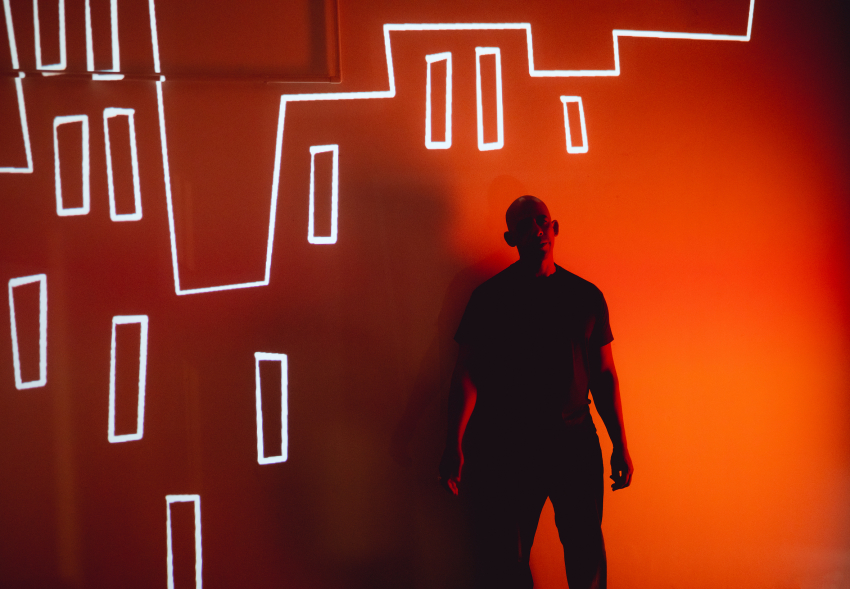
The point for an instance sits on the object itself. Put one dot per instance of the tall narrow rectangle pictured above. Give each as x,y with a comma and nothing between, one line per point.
29,330
438,101
122,164
262,427
66,149
574,126
50,20
489,100
124,370
320,180
182,543
102,51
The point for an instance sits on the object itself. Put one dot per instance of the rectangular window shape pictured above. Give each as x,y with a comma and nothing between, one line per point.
29,330
15,148
127,377
67,182
319,189
184,540
102,53
122,164
49,19
269,422
489,95
574,124
438,101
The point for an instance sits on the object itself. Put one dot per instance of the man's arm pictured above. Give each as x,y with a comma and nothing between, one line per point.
606,395
462,395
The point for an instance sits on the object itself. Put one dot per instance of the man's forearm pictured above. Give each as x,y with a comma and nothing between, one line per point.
606,396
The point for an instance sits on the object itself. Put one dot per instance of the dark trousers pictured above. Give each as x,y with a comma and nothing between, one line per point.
507,490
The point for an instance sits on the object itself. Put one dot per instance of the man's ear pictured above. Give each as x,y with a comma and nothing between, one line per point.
510,239
555,227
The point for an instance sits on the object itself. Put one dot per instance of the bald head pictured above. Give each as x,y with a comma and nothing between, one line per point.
524,207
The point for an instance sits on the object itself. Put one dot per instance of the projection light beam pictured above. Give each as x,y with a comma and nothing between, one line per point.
499,143
63,53
196,499
311,223
19,91
42,331
284,410
570,147
136,215
142,320
447,142
389,93
116,55
83,209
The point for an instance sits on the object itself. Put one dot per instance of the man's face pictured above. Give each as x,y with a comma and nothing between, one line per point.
531,230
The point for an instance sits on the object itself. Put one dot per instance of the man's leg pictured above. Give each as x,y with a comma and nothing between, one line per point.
576,494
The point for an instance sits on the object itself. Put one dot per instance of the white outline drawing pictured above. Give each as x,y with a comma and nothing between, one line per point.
570,147
109,113
142,320
447,142
284,411
196,499
116,56
389,93
42,331
19,90
499,143
60,208
311,230
63,54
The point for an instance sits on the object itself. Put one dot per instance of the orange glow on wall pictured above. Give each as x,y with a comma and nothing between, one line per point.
699,174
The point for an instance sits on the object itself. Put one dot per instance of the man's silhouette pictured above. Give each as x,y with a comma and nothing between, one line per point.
534,341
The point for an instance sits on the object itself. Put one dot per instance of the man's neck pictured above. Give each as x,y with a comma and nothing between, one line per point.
537,267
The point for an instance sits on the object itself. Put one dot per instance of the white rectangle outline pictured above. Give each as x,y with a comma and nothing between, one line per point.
500,124
284,411
63,54
60,209
142,320
116,58
42,331
570,147
109,113
311,230
196,499
447,143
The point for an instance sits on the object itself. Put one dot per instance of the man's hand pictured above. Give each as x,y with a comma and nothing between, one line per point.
621,468
450,468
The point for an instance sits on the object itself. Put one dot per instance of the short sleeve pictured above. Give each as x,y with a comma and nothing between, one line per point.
469,329
601,334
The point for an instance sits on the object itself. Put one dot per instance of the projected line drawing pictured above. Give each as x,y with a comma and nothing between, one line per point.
19,91
20,384
499,143
284,411
447,142
169,500
570,147
390,92
63,53
116,55
142,320
109,113
61,210
311,230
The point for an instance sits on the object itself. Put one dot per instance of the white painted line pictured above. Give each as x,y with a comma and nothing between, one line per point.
196,499
284,411
63,53
570,147
499,143
447,142
311,232
42,331
60,208
109,113
142,320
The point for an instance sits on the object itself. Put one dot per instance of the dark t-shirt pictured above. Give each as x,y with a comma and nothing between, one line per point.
530,341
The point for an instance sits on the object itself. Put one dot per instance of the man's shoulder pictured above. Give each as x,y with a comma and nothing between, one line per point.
576,282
